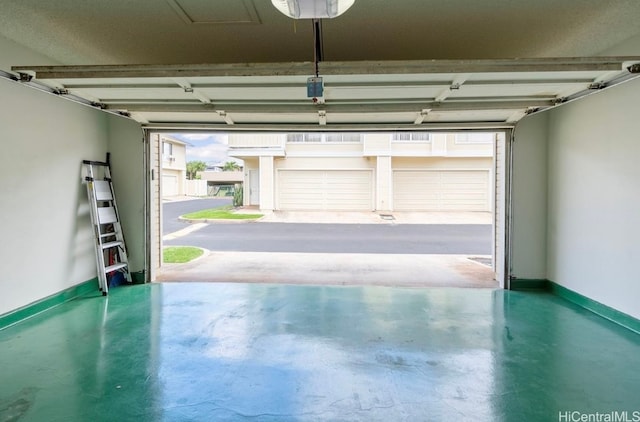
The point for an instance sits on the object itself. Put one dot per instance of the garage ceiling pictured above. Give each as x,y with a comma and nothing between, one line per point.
406,64
249,31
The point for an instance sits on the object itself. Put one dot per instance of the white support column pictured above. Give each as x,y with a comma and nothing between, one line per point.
439,144
384,181
267,184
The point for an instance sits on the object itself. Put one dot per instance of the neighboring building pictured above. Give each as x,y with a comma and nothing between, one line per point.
221,183
174,166
221,167
400,171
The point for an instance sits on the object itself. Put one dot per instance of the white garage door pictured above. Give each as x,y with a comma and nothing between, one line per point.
348,190
445,190
169,185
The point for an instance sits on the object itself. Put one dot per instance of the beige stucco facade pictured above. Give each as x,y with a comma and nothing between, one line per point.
378,172
174,166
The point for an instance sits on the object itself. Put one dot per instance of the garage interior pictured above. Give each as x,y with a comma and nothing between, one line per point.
80,79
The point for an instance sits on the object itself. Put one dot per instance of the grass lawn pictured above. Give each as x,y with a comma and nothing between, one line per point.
180,254
226,213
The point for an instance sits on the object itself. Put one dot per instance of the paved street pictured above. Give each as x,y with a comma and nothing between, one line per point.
390,238
174,209
342,238
347,248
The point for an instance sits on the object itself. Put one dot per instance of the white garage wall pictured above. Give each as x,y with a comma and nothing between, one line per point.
127,157
529,198
47,238
594,197
576,195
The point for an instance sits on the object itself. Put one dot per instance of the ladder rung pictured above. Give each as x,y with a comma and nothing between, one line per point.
102,189
115,267
111,244
108,234
107,215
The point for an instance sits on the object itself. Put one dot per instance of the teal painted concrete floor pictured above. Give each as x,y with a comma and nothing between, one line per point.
250,352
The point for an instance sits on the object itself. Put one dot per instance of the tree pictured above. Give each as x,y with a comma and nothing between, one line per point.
231,166
193,167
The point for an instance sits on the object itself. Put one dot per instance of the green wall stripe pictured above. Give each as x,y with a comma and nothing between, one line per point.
49,302
596,307
529,284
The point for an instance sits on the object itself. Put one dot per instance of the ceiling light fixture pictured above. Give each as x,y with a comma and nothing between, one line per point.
312,9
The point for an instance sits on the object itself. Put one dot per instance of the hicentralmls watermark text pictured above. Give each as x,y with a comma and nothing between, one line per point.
613,416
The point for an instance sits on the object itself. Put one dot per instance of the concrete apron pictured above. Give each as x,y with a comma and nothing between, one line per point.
333,269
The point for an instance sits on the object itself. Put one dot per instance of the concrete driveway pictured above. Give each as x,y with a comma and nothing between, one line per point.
297,267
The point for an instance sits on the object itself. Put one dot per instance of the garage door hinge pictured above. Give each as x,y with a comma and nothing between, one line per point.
634,68
532,110
25,77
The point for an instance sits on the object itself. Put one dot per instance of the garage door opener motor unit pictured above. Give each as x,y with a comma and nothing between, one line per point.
110,249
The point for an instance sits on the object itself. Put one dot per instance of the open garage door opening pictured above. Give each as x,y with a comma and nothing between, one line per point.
397,208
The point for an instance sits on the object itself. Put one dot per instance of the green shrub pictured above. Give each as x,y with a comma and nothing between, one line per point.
237,196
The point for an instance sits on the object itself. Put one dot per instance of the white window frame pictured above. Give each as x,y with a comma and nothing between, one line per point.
423,137
167,153
322,138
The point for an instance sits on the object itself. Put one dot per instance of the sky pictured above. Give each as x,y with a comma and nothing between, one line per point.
212,148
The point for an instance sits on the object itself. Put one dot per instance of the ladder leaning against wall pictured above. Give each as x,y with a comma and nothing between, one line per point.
111,252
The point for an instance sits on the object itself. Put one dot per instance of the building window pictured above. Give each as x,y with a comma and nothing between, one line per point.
343,137
411,136
475,138
167,151
324,137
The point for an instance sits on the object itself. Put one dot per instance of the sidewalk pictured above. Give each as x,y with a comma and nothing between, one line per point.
355,217
360,217
179,198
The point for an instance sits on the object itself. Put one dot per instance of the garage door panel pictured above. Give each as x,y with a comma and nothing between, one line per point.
431,196
325,190
169,185
465,194
441,190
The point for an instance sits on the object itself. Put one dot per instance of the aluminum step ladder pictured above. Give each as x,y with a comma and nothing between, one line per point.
110,248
